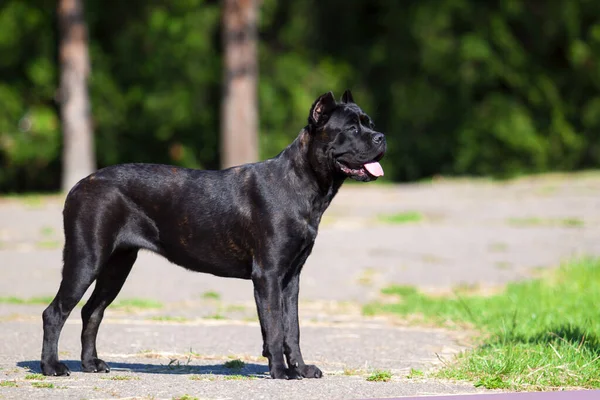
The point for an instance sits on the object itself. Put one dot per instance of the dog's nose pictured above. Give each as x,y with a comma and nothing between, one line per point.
378,138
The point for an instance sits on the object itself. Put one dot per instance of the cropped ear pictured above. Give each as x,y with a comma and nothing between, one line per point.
347,97
319,112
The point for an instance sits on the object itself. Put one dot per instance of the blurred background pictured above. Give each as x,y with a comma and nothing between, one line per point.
495,88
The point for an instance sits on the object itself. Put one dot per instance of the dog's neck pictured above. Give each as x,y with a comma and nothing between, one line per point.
309,171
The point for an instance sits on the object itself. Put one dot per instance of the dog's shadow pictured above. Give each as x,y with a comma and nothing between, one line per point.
248,370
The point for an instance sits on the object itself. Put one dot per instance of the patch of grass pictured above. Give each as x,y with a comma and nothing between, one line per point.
238,377
48,244
121,378
207,377
367,276
33,200
415,373
574,222
137,303
8,384
185,397
38,377
233,308
236,364
47,231
216,316
541,334
211,295
168,318
42,385
404,290
42,300
401,218
549,222
380,376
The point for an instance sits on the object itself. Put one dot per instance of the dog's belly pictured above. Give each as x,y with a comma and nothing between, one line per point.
205,259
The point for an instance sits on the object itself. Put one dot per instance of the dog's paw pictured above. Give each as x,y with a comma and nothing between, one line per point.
293,373
55,369
278,372
95,365
309,371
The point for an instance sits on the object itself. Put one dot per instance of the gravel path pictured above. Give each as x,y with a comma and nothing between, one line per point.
475,233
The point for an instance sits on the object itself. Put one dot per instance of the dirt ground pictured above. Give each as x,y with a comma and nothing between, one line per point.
480,234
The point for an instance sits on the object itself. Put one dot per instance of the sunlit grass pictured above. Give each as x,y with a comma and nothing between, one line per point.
542,334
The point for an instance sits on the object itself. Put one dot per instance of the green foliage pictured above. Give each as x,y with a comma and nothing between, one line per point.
235,364
415,374
43,300
460,87
43,385
211,295
401,218
535,221
136,303
38,377
380,376
540,335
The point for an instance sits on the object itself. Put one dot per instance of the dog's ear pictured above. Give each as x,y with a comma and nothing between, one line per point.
320,110
347,97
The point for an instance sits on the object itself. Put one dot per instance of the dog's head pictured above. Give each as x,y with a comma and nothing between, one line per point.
345,138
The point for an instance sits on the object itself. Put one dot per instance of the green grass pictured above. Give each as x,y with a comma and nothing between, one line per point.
401,218
380,376
48,244
8,384
541,222
415,373
216,316
42,385
33,200
542,334
185,397
122,378
238,377
42,300
211,295
47,231
234,364
233,308
137,303
38,377
207,377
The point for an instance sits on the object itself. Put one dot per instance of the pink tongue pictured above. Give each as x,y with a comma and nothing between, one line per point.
374,168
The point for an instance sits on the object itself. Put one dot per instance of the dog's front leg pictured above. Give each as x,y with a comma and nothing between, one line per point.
268,296
291,341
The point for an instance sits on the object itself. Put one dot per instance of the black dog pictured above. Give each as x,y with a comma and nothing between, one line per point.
256,221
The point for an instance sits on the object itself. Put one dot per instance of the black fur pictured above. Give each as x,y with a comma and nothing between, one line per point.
256,221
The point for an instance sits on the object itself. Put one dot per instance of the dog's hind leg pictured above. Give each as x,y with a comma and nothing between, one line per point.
79,272
108,285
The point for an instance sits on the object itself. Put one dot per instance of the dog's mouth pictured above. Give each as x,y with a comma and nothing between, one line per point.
367,171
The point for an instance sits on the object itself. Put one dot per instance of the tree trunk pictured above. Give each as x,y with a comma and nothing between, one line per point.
78,159
239,116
